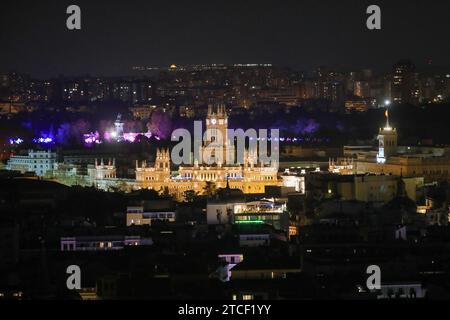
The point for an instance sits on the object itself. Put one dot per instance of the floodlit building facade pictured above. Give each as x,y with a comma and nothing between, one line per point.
38,161
433,164
139,216
251,176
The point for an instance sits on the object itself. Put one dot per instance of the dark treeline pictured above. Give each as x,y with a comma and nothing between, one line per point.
414,124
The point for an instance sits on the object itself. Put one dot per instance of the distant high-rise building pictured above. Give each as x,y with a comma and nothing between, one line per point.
4,81
337,93
367,74
405,86
362,89
305,90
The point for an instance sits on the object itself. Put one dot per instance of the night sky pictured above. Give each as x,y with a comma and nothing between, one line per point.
117,35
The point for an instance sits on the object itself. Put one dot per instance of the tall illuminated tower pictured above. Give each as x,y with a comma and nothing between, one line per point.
217,128
118,124
387,141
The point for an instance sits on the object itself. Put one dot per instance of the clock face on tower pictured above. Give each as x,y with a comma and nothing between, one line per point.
213,121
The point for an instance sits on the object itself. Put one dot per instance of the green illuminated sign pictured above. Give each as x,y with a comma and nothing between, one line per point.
249,221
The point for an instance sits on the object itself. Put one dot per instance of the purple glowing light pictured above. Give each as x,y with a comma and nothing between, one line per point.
90,138
107,136
127,136
130,136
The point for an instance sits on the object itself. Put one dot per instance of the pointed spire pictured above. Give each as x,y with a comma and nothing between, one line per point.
209,109
386,114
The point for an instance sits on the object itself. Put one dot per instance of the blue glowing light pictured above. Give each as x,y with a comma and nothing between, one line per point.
15,141
43,140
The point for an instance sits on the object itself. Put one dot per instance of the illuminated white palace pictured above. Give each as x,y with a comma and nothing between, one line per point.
251,177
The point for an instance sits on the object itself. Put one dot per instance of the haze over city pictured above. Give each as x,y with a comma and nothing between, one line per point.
298,34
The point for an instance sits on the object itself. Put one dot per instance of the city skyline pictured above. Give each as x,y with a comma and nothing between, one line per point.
209,151
149,71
